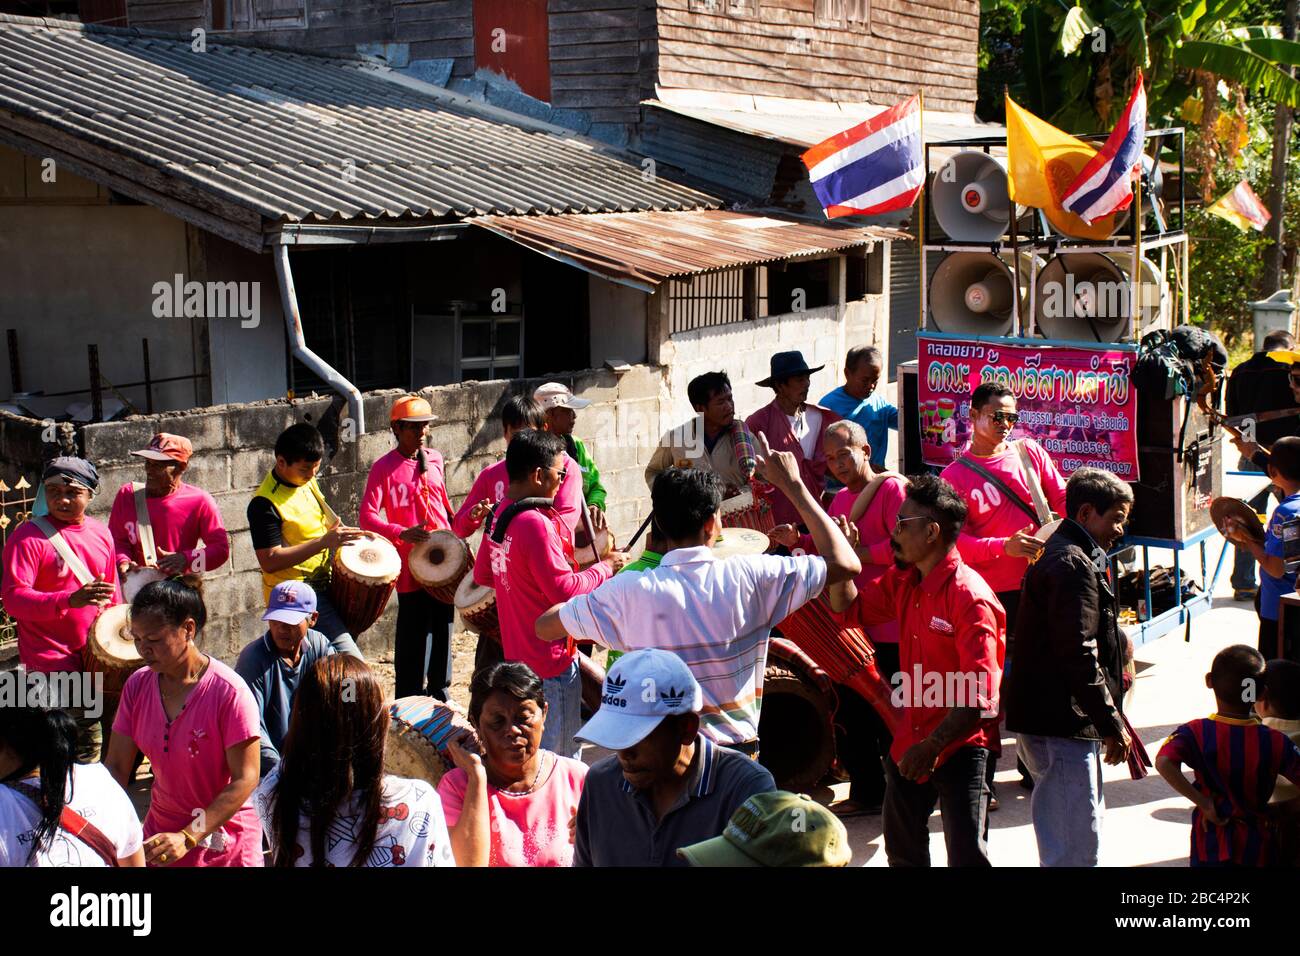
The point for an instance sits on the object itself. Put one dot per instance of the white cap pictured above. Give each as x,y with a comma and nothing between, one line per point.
555,395
641,689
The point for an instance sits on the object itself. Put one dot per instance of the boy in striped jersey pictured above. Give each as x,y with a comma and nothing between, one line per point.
1236,761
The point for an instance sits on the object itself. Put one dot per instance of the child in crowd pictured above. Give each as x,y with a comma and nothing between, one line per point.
1284,471
1279,707
1236,760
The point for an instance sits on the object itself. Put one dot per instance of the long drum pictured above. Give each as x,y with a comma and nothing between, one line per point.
418,732
584,553
439,564
137,579
845,653
364,575
747,510
110,648
478,608
796,725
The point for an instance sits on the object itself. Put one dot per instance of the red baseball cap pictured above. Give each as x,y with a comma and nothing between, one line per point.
167,447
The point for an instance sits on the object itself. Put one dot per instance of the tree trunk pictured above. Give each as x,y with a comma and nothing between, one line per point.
1272,278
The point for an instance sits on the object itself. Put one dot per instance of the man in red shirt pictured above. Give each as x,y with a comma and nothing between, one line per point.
406,499
178,517
527,556
952,644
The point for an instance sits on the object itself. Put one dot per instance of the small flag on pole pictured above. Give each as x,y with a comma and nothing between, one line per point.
875,167
1242,208
1105,185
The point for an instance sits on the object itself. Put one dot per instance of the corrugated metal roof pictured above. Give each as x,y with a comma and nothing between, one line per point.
644,249
295,137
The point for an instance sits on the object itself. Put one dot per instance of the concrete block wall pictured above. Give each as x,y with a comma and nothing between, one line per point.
233,454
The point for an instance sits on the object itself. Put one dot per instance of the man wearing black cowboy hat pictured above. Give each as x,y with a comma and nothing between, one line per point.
794,424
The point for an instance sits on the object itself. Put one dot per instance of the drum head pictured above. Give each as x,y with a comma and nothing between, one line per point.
1221,509
111,635
134,581
373,560
417,738
470,595
734,541
438,560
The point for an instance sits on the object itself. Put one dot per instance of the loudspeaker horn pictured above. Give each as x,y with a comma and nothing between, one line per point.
971,292
1085,296
969,197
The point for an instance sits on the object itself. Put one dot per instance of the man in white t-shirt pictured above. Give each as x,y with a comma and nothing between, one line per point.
793,424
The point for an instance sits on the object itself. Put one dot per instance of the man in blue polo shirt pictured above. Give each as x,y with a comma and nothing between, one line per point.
858,401
667,786
273,665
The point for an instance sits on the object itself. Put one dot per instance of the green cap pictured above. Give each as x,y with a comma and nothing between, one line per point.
776,829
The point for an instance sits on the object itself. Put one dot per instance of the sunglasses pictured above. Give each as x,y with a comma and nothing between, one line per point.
898,522
1005,418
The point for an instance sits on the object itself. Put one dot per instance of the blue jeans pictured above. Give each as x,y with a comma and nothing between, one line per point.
563,712
1067,804
331,625
1243,565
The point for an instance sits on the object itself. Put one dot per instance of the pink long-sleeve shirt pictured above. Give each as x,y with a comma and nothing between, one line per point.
875,528
772,421
394,489
179,520
991,519
37,583
532,569
492,483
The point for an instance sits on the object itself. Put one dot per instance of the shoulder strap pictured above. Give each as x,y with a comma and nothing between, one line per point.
331,518
1012,497
868,494
497,524
143,527
76,825
1031,479
70,558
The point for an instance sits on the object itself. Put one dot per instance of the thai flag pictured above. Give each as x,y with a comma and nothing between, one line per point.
1105,185
872,168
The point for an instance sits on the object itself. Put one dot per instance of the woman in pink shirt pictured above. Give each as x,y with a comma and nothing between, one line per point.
521,412
405,499
196,721
512,805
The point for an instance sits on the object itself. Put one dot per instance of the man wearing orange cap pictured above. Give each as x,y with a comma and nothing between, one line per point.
162,522
408,486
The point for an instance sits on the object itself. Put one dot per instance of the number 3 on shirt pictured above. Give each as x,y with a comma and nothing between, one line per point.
399,496
986,499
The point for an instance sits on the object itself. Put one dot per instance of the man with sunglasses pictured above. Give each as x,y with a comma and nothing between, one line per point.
406,499
527,556
952,637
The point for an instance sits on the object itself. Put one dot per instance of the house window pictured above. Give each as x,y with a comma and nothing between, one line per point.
717,298
802,285
248,15
733,8
490,346
865,273
840,13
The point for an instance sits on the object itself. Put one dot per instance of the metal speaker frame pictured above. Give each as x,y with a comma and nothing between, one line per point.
968,195
972,292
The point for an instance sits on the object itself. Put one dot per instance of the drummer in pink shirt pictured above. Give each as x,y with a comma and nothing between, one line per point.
527,556
405,499
180,515
862,739
196,721
51,606
520,412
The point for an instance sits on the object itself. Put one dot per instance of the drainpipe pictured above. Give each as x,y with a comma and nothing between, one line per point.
298,345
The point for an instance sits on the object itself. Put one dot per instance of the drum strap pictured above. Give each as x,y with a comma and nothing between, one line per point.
331,518
1012,497
498,524
143,527
1035,489
77,825
868,494
70,557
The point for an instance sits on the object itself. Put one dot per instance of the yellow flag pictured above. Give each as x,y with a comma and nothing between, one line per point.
1042,162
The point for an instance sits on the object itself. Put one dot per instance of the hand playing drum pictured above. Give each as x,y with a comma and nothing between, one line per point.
786,535
98,592
341,534
171,562
617,561
414,535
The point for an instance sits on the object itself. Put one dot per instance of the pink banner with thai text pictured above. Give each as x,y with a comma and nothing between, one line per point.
1078,403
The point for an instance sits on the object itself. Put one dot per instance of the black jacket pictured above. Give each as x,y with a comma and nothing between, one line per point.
1065,667
1260,385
